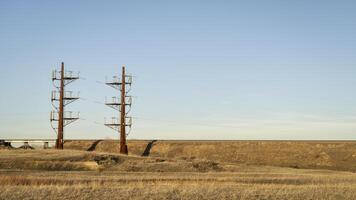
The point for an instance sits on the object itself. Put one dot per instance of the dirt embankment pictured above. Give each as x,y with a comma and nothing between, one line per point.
74,160
296,154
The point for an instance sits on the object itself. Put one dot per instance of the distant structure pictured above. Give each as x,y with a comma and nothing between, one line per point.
60,98
120,105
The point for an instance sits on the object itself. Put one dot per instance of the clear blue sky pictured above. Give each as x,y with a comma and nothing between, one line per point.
204,69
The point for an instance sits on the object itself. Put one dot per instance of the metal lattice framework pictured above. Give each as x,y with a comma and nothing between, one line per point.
123,105
60,98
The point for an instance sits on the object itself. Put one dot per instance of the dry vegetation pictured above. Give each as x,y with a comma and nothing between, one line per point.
94,185
77,174
296,154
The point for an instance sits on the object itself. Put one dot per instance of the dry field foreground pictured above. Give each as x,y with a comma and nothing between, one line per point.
74,174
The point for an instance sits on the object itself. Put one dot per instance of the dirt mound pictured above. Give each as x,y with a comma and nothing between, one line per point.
72,160
49,160
205,166
5,145
296,154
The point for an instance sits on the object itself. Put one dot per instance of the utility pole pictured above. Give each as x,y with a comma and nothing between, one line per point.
59,141
120,105
60,98
123,146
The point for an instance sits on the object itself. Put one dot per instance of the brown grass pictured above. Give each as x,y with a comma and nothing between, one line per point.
297,154
73,174
73,160
94,185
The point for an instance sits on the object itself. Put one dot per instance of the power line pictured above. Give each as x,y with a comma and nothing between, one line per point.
120,104
95,81
91,101
187,123
94,122
61,98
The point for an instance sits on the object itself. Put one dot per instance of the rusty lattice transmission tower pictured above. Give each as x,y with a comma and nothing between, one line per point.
60,98
123,105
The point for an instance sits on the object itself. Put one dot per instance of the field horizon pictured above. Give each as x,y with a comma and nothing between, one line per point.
95,174
333,155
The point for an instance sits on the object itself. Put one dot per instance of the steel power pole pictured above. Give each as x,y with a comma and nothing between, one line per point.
59,141
123,145
121,105
63,97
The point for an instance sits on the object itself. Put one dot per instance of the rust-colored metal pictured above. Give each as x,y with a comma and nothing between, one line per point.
65,97
120,125
59,142
122,130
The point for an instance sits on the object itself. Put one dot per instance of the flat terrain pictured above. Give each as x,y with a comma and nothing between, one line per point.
78,174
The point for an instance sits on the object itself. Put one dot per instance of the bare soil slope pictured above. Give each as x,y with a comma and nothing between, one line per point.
75,160
334,155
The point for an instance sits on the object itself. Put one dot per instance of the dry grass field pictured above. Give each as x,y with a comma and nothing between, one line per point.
104,174
185,185
333,155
